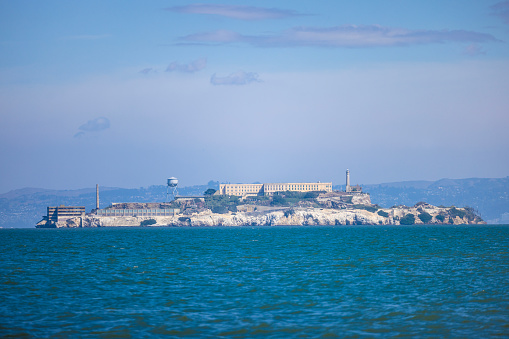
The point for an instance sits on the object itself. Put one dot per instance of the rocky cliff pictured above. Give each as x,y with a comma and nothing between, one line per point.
419,214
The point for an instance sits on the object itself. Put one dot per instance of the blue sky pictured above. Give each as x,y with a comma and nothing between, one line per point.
128,93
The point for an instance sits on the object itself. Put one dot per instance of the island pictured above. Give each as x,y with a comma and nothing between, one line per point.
284,208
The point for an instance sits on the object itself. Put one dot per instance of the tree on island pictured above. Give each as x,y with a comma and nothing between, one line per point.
209,192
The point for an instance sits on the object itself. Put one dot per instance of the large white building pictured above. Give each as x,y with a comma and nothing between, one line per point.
271,188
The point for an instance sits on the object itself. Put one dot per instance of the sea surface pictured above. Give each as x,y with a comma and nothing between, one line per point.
266,282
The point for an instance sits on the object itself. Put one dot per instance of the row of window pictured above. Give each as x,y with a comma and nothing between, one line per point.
243,189
135,211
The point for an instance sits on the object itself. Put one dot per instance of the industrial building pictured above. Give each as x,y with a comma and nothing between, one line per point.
137,210
58,213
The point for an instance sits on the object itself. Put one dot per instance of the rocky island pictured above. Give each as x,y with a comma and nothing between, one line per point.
284,208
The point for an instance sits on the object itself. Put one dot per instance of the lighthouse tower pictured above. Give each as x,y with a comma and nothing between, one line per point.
348,189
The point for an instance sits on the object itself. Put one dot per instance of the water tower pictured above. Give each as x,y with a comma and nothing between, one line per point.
173,183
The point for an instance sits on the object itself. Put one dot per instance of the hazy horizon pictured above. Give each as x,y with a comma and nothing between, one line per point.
92,188
128,94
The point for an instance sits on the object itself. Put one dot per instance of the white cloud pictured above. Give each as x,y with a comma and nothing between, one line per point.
235,12
95,125
238,78
349,36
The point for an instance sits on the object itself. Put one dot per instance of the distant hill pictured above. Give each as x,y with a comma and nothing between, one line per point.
25,207
489,196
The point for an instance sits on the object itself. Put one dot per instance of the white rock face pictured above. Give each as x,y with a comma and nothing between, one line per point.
294,216
361,199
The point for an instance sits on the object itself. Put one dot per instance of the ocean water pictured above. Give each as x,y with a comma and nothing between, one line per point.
274,282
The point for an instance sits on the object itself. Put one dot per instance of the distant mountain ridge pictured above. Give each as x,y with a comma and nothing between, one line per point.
490,196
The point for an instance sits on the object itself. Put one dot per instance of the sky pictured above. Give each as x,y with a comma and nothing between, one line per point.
129,93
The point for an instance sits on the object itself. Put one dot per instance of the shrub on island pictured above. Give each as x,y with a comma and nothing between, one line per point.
148,222
454,212
289,212
368,208
408,219
425,217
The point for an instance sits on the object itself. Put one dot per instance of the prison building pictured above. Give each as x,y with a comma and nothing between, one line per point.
271,188
240,189
153,212
59,213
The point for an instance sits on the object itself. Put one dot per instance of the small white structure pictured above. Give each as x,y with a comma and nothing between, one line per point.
173,183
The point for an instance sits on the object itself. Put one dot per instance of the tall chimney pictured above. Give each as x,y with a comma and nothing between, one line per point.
97,196
347,180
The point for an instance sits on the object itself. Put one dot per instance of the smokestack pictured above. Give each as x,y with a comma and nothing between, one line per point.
347,180
97,196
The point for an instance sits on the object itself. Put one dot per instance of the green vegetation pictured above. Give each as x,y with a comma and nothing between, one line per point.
383,214
279,200
368,208
425,217
184,219
454,212
289,212
408,219
291,198
222,203
472,214
148,222
440,217
209,192
261,199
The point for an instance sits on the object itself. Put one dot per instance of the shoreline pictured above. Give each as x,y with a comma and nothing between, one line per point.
423,214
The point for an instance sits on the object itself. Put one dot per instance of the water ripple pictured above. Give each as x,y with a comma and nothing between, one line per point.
360,281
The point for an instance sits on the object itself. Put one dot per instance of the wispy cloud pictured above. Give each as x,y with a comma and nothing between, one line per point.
194,66
346,36
95,125
238,78
148,70
235,12
473,50
501,10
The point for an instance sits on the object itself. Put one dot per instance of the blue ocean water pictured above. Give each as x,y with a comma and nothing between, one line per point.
279,282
